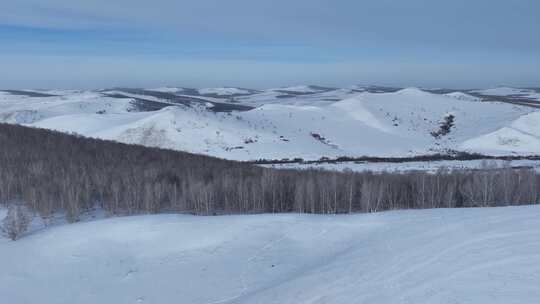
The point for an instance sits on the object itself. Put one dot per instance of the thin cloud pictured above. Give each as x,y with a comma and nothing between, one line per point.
337,41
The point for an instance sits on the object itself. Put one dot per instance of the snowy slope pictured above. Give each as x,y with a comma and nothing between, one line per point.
504,91
299,89
431,256
463,96
167,90
522,136
508,91
414,114
310,123
27,110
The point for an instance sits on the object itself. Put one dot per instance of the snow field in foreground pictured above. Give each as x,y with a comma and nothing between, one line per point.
489,255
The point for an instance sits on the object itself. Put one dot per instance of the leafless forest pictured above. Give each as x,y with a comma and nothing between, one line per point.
51,171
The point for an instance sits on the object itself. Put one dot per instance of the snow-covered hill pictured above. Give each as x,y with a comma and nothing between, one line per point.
307,122
224,91
489,255
508,91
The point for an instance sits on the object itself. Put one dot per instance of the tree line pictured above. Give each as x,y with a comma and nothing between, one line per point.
50,171
450,155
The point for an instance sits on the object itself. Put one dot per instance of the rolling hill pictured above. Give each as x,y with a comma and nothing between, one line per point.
306,122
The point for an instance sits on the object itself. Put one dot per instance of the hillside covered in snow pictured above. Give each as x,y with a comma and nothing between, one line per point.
306,122
488,255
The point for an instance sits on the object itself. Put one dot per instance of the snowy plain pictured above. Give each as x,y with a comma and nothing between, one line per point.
508,91
426,166
489,255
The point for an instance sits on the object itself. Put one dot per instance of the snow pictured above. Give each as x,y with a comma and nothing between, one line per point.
140,96
27,110
529,123
489,255
522,136
463,96
354,108
413,91
167,90
329,123
223,91
504,140
507,91
298,89
504,91
427,166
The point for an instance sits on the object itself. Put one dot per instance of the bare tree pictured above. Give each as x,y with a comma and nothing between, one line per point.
16,221
55,172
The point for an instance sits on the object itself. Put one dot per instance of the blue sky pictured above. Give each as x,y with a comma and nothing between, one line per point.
249,43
